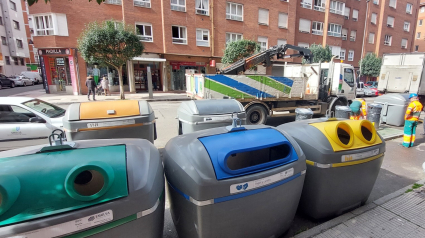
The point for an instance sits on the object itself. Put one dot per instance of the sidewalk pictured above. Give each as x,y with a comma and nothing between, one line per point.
59,99
397,215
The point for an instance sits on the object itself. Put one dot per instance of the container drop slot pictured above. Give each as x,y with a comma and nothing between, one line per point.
88,182
343,136
252,158
367,134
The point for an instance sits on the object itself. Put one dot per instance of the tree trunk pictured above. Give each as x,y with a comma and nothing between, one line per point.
122,96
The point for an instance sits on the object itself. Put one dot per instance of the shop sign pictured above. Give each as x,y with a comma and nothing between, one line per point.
60,61
212,63
188,64
54,51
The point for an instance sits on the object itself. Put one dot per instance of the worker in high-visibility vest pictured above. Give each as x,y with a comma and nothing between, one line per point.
358,109
411,120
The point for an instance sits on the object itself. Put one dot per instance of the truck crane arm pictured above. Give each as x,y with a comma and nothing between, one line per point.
265,57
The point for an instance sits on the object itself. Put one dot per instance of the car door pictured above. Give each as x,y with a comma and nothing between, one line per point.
3,80
15,125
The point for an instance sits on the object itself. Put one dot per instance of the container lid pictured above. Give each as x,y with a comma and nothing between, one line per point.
305,111
108,109
245,152
218,106
393,98
343,108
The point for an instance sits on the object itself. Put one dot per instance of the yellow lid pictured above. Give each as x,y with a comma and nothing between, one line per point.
109,109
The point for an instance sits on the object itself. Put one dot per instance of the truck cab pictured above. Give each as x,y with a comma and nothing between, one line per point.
342,83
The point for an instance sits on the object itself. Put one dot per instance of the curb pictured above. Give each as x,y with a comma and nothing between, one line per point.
347,216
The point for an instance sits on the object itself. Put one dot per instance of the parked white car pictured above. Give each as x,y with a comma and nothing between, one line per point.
27,119
22,81
34,76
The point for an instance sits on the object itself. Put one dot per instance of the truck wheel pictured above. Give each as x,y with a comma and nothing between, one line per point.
256,115
338,102
180,128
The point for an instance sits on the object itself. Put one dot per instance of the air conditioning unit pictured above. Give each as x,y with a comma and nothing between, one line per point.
142,4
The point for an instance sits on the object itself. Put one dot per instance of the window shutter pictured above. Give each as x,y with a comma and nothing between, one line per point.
404,43
347,12
308,1
263,16
371,38
281,42
302,44
305,25
390,21
344,32
336,50
283,20
373,18
393,3
355,14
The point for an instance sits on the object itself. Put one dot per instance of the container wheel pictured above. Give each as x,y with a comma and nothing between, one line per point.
256,115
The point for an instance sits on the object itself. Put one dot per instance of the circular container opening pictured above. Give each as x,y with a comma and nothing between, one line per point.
367,134
343,136
88,182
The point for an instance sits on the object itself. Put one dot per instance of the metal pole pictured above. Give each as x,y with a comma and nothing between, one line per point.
149,75
364,35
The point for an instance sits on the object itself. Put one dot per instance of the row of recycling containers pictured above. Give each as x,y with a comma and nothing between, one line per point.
226,180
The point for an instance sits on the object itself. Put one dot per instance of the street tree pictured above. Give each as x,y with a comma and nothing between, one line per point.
370,65
240,49
320,53
109,43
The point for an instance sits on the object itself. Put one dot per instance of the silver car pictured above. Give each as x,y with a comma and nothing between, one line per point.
27,121
22,81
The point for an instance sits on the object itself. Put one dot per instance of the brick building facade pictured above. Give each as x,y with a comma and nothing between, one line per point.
419,45
182,35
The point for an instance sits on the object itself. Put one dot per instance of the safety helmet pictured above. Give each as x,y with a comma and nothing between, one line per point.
413,95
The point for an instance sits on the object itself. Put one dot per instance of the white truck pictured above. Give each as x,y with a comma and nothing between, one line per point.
289,87
403,73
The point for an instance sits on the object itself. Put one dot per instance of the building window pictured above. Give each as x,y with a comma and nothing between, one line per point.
7,58
351,55
319,5
337,7
393,3
317,28
263,41
418,35
3,40
376,2
347,13
404,43
19,44
283,20
234,11
142,3
202,37
115,2
304,45
15,60
230,37
16,25
22,61
344,33
388,39
342,54
1,21
306,3
373,18
406,26
281,42
178,5
353,36
420,22
334,30
12,5
336,51
416,47
44,25
355,15
304,25
390,21
179,35
263,16
202,7
144,31
409,8
371,38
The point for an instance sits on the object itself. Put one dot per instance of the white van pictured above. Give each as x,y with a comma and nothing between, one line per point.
34,76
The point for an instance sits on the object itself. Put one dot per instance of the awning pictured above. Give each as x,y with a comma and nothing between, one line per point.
148,59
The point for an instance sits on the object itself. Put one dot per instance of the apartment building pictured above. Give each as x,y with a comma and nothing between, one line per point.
419,45
181,35
14,45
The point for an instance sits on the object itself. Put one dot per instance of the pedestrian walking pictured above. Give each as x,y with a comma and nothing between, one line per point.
358,109
105,86
411,120
91,86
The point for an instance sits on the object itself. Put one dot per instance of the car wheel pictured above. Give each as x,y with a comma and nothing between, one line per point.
25,84
32,83
12,84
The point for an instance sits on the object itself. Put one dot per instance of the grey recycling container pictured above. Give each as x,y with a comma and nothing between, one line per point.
374,114
220,187
204,114
343,161
110,119
303,114
342,112
394,108
91,188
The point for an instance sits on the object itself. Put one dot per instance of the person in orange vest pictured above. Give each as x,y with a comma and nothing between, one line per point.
411,120
358,109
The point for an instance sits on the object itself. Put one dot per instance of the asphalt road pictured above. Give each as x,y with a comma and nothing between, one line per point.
401,166
4,92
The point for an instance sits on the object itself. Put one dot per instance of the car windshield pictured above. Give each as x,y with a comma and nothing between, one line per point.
45,108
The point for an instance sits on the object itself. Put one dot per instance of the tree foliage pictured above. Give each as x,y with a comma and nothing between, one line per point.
371,65
240,49
109,43
320,53
31,2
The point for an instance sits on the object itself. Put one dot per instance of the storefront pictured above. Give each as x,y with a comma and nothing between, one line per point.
58,70
179,69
